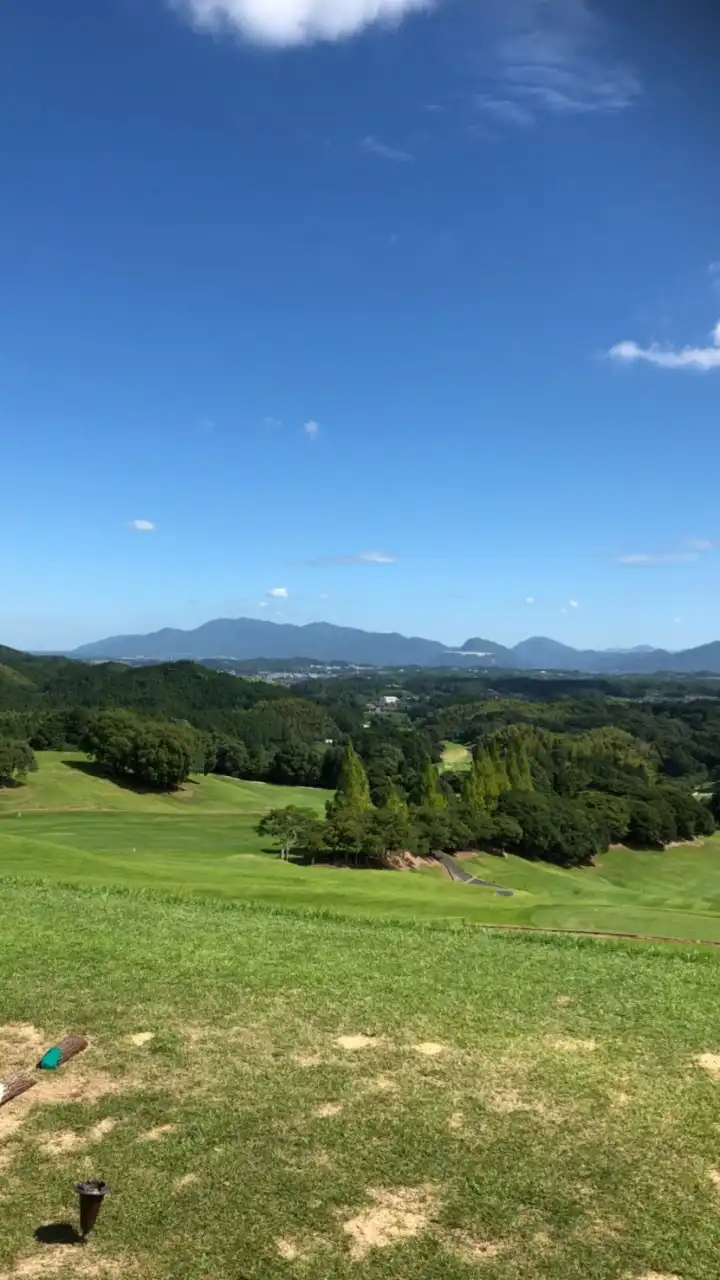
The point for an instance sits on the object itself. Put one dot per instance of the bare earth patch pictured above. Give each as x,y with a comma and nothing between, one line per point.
710,1062
154,1135
358,1042
456,1121
142,1037
293,1249
507,1101
657,1275
714,1176
562,1000
574,1046
307,1059
187,1180
383,1084
429,1048
21,1044
83,1263
328,1109
396,1214
57,1144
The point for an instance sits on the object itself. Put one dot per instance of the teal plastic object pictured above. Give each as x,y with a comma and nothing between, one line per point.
51,1059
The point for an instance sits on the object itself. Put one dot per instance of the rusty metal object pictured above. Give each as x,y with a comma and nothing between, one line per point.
91,1196
14,1086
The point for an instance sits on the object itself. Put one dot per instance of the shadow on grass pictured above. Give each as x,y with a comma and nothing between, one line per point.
92,770
58,1233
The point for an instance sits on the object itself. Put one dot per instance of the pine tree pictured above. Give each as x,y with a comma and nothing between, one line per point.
478,790
353,789
427,793
517,762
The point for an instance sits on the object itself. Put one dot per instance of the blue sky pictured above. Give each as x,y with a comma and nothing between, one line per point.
404,312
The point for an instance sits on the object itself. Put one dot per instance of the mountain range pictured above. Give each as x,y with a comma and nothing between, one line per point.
251,638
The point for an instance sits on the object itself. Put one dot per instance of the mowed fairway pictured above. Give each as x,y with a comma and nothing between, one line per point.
278,1096
71,826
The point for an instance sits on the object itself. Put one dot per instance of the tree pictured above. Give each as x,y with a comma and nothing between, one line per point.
427,794
231,759
294,827
17,759
148,753
353,791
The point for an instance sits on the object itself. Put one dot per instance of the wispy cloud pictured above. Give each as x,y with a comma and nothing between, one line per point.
311,429
553,56
573,604
271,424
381,149
278,593
689,551
529,599
702,359
293,22
142,526
361,557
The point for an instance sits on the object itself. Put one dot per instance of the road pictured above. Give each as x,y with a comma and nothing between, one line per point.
459,873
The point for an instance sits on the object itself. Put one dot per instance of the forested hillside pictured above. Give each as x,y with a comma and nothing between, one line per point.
560,768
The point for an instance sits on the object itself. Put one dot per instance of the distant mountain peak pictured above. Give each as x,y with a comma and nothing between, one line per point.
246,639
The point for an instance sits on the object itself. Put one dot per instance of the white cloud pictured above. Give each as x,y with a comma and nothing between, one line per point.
263,605
372,557
699,544
659,557
552,56
311,429
361,557
702,359
293,22
271,424
573,604
529,599
278,593
677,620
142,526
381,149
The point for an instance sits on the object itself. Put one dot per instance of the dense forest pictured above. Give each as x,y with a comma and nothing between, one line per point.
561,767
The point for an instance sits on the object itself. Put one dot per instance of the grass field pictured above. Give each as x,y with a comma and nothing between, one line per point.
455,757
277,1096
75,827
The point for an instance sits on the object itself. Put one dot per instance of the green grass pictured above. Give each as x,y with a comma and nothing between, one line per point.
71,826
455,757
563,1129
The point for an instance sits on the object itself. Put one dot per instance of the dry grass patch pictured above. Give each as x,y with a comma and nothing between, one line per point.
57,1144
359,1041
474,1251
714,1176
307,1059
508,1100
159,1131
142,1037
568,1045
562,1000
21,1044
383,1084
395,1214
82,1263
187,1180
328,1109
295,1249
709,1062
456,1121
429,1048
